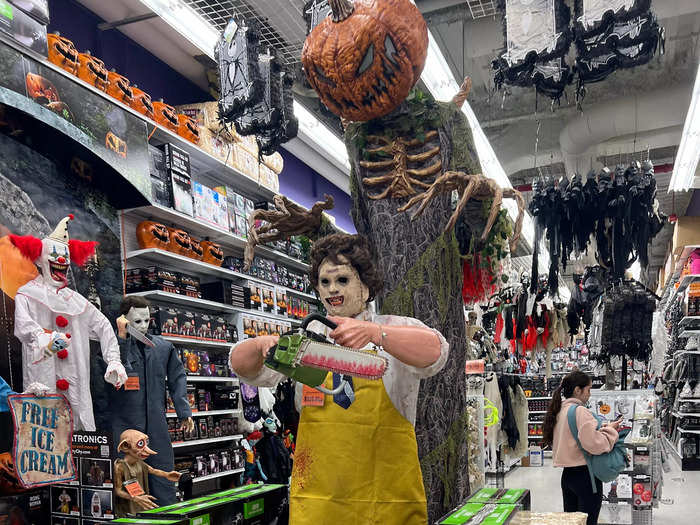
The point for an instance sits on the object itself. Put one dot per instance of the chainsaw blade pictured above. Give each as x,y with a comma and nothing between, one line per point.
342,360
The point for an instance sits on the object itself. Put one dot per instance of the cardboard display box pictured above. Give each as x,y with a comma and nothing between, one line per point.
519,497
685,232
479,513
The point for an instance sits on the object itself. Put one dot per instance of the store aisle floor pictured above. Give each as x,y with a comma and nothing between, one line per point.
683,488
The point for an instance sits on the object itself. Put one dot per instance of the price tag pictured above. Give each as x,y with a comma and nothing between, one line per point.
476,366
132,383
312,397
134,488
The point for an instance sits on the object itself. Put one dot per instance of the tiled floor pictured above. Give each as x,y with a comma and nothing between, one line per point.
680,488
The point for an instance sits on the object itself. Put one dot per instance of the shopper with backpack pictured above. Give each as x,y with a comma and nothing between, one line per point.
580,495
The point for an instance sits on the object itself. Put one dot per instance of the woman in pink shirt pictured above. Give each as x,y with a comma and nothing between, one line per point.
575,480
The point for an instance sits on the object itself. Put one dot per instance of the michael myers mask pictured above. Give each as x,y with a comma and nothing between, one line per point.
139,318
342,291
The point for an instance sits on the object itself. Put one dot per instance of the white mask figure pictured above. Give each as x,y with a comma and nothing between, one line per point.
139,318
55,256
342,291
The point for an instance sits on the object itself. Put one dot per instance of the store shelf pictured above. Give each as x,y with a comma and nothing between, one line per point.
534,398
208,413
266,315
689,320
175,298
537,411
203,230
217,475
535,422
533,437
206,441
196,342
191,266
204,379
682,431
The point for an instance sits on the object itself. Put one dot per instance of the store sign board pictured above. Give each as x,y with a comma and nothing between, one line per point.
42,450
58,99
254,508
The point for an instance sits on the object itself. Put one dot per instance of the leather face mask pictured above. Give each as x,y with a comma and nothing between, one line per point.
342,291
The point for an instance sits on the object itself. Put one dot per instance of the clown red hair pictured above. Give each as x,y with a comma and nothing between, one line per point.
81,251
28,245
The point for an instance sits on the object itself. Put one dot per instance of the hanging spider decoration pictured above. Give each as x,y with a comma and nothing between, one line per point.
286,220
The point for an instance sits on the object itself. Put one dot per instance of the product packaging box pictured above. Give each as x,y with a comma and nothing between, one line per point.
203,326
157,165
210,206
219,330
519,497
189,285
268,299
473,513
162,192
165,320
134,281
158,278
187,324
22,28
177,160
182,193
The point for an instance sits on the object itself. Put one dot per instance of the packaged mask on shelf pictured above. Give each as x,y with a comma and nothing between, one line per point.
641,432
644,406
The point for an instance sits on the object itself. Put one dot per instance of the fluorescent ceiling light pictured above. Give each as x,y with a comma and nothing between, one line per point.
322,136
187,22
686,163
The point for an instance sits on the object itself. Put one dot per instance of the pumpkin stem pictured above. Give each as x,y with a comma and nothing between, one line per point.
341,9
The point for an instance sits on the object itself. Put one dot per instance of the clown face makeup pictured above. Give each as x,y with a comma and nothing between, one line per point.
54,262
139,318
342,291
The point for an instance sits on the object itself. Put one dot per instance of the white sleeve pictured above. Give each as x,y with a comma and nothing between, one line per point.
439,364
265,378
27,330
101,328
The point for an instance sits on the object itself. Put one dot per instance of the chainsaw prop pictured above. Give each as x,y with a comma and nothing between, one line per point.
307,357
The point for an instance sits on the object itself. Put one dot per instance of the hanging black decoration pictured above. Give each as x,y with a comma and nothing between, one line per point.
237,57
269,140
619,209
315,11
594,16
266,114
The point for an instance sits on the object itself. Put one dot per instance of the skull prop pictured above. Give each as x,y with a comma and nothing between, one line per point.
340,288
135,444
54,253
365,58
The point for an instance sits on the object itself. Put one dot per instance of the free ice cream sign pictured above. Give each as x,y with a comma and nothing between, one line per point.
43,432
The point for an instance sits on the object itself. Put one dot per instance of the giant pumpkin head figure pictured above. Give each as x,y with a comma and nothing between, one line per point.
364,59
151,234
53,254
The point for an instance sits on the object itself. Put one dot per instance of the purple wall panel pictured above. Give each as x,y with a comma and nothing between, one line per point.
118,51
694,205
303,185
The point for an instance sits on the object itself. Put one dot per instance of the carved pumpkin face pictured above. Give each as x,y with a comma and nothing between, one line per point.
363,64
187,128
62,52
92,70
179,241
141,102
151,234
213,254
165,115
119,88
196,251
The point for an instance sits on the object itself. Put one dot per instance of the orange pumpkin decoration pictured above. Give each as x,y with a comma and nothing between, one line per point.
92,70
62,52
117,145
151,234
213,254
364,59
187,128
141,102
180,241
119,88
41,90
604,408
165,115
196,251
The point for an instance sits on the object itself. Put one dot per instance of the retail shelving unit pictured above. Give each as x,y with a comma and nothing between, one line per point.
197,413
206,441
208,477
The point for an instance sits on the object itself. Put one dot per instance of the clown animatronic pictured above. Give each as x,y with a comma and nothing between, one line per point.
356,454
54,324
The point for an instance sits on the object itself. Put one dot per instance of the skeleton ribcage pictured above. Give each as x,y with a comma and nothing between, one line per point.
401,167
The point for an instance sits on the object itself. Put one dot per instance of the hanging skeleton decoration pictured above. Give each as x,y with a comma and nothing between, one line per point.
537,38
287,220
364,59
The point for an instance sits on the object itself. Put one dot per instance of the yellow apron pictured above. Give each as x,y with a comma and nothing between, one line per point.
357,466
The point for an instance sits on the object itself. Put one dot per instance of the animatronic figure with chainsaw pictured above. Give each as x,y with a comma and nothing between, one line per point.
360,429
55,323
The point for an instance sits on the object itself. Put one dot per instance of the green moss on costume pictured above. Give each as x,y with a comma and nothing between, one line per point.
440,267
447,456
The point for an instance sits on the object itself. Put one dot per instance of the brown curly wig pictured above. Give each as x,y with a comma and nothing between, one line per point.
358,252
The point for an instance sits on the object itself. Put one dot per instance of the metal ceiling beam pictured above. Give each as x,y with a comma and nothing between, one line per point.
106,26
428,6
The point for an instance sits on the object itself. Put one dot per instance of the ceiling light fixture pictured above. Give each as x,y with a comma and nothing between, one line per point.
187,22
323,137
686,163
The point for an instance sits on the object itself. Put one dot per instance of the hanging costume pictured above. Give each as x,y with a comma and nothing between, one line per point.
143,408
361,461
